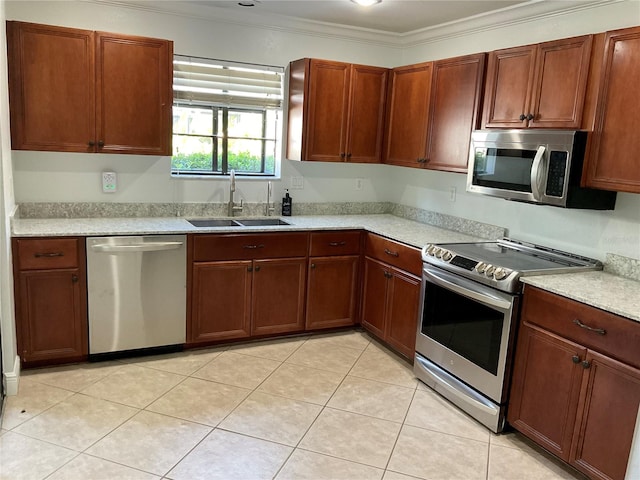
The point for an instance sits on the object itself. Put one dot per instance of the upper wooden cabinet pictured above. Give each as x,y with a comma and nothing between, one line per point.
433,107
336,111
613,162
76,90
408,115
538,86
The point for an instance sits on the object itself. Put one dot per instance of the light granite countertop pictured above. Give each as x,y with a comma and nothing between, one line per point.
400,229
609,292
602,290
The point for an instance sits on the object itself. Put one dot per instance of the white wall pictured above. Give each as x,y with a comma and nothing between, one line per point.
76,177
7,324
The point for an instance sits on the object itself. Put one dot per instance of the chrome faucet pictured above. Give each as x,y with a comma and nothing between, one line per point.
232,188
269,209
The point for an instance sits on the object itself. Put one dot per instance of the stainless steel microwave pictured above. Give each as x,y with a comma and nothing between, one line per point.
535,166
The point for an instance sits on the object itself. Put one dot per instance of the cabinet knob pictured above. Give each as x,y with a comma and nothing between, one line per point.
530,117
387,274
522,117
586,364
249,269
313,265
342,155
92,143
257,269
575,359
349,155
74,278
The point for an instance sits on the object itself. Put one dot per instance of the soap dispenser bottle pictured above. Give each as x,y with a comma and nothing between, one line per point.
286,204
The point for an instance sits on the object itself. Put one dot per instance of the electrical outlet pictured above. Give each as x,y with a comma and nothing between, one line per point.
452,194
297,183
109,182
359,183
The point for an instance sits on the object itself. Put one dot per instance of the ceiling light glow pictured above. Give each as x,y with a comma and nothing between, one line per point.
366,3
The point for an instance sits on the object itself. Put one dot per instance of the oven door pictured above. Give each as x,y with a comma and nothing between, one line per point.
466,329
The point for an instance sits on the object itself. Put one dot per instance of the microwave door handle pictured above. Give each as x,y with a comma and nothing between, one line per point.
536,172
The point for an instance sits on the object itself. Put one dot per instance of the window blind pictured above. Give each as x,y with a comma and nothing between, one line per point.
202,81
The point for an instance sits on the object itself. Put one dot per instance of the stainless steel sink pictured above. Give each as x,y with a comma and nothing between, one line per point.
261,222
214,222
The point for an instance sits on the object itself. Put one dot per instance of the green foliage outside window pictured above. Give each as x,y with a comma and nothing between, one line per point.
241,162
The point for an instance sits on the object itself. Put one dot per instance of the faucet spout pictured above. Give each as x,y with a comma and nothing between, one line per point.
232,188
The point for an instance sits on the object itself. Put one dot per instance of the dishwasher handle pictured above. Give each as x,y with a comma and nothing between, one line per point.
136,247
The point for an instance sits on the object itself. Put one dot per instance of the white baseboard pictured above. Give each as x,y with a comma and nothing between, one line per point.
12,379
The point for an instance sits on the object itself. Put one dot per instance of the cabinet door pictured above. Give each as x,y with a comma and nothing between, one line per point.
455,103
614,163
374,296
403,302
408,115
509,81
52,317
220,301
133,94
606,418
367,96
332,291
560,83
327,111
545,388
278,296
51,87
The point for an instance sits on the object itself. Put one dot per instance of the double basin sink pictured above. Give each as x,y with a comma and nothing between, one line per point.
227,222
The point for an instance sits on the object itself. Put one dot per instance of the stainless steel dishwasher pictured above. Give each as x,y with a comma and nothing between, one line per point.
136,292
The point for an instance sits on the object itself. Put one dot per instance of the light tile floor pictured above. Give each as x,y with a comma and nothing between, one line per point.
335,406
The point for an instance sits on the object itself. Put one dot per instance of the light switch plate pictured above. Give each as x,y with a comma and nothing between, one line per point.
297,183
109,182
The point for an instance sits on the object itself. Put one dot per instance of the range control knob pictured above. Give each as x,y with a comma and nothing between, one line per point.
501,273
447,255
431,249
480,267
438,252
489,270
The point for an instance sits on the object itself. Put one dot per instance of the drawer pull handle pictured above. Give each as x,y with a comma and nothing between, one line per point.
599,331
253,247
337,244
48,255
389,252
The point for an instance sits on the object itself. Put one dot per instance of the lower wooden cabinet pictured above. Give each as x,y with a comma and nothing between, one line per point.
576,402
333,282
391,292
50,296
332,291
237,291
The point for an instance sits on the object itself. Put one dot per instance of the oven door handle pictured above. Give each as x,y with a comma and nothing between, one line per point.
535,173
467,288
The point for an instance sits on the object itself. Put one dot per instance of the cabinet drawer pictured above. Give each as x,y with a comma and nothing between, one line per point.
47,253
560,315
394,253
249,246
324,244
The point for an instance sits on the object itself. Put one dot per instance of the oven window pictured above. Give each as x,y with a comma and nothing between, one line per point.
465,326
504,168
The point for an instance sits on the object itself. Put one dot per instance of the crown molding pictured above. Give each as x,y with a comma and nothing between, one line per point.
268,22
509,16
513,15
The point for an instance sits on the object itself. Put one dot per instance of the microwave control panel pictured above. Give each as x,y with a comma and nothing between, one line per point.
556,173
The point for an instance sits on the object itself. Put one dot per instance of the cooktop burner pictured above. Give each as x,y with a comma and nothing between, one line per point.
501,263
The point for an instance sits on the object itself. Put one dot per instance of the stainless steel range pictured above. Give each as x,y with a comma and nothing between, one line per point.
470,306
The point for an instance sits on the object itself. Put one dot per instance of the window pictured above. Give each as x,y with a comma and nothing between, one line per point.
226,116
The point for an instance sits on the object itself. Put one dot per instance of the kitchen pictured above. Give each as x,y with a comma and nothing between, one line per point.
55,177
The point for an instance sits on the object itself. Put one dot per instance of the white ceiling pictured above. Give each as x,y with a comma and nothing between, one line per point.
390,16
